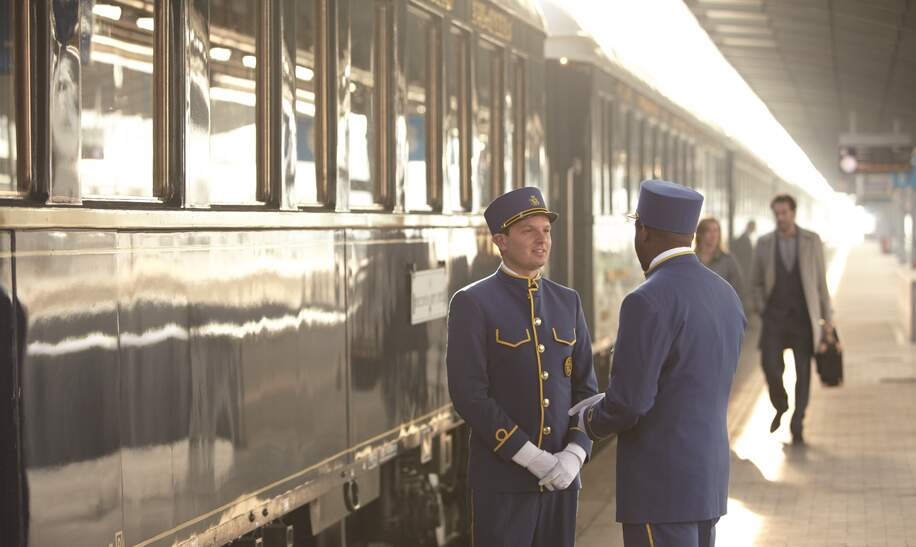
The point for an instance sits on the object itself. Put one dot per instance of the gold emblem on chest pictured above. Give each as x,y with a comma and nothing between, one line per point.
567,366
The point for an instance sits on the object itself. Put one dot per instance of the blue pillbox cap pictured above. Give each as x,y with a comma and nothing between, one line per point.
515,205
668,206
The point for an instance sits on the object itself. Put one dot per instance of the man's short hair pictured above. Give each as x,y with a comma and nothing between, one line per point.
784,198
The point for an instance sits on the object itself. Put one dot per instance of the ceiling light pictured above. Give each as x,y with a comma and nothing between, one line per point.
737,15
741,29
220,54
747,42
107,11
146,23
304,73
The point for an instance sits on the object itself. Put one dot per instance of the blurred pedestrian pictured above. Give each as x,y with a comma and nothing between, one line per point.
743,248
789,287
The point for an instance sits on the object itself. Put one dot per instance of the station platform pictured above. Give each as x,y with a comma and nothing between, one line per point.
854,482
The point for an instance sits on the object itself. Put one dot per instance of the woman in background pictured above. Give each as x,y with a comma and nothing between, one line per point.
709,251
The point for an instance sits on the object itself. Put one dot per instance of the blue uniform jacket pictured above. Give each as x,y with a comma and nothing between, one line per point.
676,354
519,356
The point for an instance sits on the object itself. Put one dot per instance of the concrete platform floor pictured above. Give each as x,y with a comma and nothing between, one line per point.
854,483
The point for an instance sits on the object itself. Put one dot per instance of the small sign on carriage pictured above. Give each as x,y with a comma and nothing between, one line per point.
428,295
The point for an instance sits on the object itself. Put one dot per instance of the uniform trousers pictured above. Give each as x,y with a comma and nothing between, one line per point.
671,534
524,519
774,339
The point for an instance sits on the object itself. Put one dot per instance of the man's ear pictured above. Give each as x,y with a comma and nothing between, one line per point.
500,241
642,233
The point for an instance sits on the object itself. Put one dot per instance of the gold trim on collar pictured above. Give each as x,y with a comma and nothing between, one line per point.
667,258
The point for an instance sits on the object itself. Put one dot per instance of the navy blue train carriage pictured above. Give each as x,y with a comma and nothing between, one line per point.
232,228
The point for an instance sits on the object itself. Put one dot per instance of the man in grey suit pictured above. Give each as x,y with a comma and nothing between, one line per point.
789,288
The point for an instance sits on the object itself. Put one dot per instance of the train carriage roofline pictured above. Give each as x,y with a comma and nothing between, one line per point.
567,40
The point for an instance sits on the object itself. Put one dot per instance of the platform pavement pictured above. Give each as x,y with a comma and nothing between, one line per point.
854,483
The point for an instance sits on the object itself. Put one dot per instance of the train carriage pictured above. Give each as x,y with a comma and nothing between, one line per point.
608,132
233,227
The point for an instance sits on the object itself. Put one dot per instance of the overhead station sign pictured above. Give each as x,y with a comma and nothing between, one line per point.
862,153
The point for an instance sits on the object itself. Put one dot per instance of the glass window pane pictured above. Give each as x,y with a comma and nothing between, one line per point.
418,45
306,188
116,123
534,145
455,112
233,101
619,166
634,171
514,117
485,128
648,152
7,96
362,116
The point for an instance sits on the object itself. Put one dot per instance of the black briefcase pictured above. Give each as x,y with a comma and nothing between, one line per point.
829,361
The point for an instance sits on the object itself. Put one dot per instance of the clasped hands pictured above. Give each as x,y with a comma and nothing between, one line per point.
558,471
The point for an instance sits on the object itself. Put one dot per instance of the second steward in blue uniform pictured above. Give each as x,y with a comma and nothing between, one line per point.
519,357
676,353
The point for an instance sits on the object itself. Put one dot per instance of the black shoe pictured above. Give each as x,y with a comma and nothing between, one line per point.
798,439
774,425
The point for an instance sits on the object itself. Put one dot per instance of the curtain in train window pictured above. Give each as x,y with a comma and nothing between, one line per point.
486,135
233,101
306,145
419,40
7,96
365,188
607,151
658,152
116,86
456,89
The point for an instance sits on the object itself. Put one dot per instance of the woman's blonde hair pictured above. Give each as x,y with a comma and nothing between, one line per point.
703,227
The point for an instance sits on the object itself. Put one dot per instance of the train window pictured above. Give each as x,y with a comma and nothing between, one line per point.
599,156
456,123
420,43
535,153
486,136
658,151
515,124
648,150
366,179
306,190
233,100
634,165
618,162
7,96
116,87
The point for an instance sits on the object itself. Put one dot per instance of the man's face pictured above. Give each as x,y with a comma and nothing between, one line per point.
785,216
527,245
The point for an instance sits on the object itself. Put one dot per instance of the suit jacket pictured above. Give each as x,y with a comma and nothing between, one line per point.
518,357
813,275
676,355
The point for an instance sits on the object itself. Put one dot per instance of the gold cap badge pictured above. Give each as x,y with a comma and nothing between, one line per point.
534,200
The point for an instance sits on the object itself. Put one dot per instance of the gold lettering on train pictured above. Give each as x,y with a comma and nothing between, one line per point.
489,19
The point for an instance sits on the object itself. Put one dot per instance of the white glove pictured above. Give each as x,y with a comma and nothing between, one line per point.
582,407
538,462
569,462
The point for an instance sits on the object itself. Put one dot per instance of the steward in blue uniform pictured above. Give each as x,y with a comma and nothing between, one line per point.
519,357
675,357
